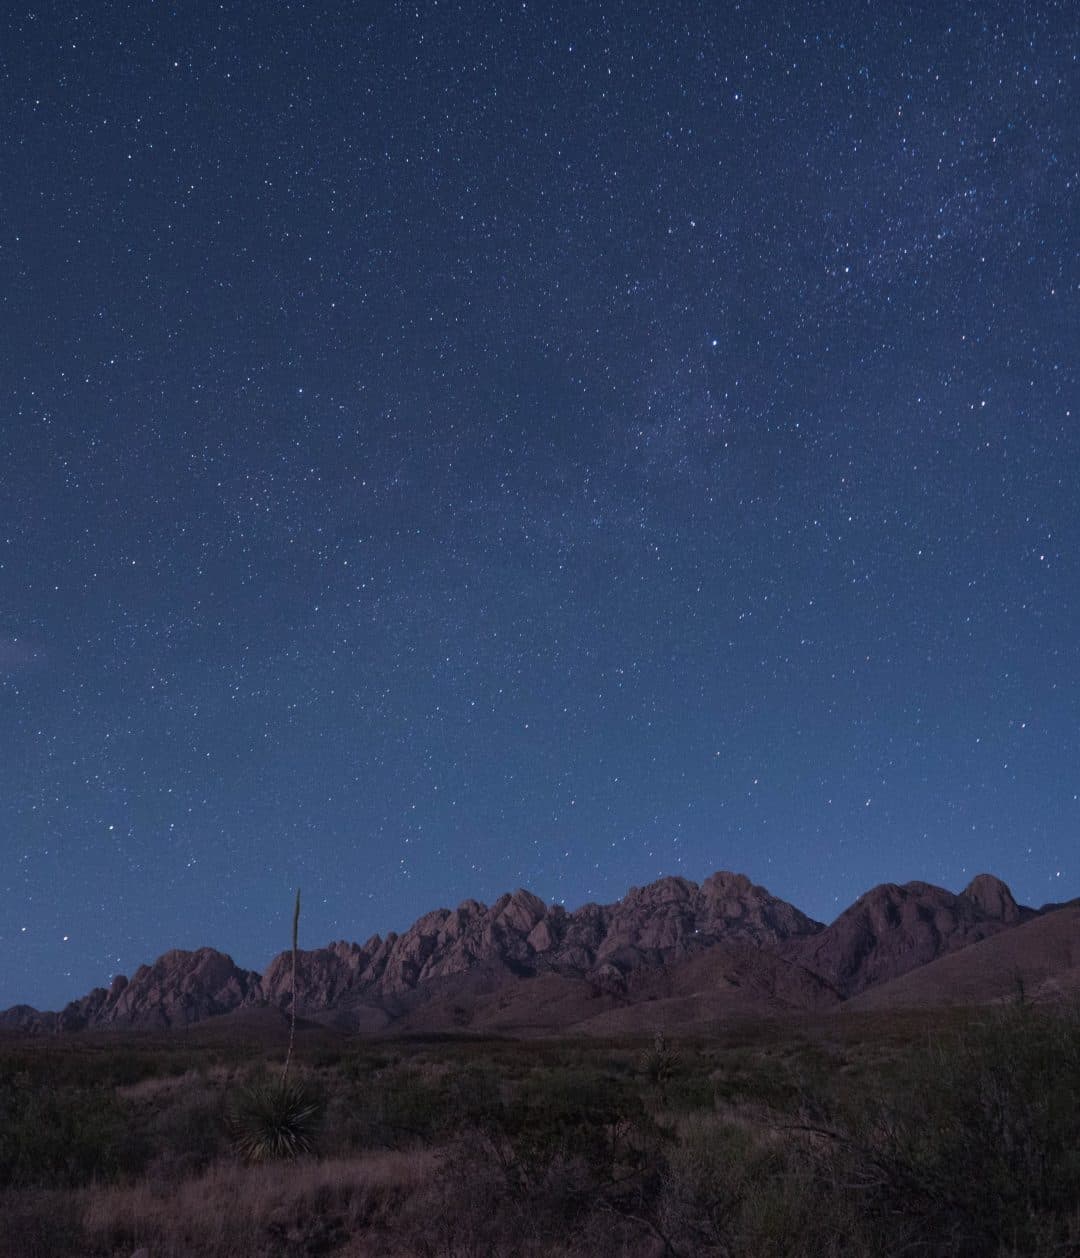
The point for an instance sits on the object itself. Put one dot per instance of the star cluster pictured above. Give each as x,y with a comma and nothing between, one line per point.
453,446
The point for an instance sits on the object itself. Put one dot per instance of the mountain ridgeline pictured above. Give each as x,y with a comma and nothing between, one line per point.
672,953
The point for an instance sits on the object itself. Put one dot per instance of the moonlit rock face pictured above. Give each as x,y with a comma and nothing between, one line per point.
183,987
1042,950
179,988
893,929
667,919
726,926
993,897
521,911
675,916
323,974
541,939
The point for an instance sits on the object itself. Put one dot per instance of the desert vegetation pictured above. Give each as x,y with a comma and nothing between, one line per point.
882,1135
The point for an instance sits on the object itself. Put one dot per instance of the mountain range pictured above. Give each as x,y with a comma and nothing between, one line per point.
671,954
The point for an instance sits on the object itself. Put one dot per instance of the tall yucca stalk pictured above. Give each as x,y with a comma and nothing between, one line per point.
292,1021
273,1118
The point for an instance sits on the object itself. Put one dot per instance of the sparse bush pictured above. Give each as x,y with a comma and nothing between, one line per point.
706,1177
976,1151
187,1131
403,1106
53,1138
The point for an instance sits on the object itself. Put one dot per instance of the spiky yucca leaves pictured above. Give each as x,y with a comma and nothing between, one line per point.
274,1118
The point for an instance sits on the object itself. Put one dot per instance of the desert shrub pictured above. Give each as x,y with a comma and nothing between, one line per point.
775,1079
815,1146
391,1108
971,1148
540,1148
597,1095
568,1144
123,1067
995,1132
734,1189
706,1176
465,1210
407,1105
976,1150
189,1132
359,1066
81,1064
53,1138
690,1093
475,1096
570,1111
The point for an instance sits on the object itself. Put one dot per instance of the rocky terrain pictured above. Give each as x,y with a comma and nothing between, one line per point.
683,952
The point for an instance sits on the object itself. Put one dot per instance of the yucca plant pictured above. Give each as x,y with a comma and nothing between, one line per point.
660,1062
273,1118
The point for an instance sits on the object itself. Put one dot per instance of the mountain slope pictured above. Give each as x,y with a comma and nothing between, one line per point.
892,929
1042,954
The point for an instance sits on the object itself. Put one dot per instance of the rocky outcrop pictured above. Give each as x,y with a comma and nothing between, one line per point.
893,929
323,975
673,918
178,989
653,925
995,900
181,988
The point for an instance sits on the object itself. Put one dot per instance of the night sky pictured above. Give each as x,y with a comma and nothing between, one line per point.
453,446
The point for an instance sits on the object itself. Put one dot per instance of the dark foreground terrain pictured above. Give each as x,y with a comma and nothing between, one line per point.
876,1132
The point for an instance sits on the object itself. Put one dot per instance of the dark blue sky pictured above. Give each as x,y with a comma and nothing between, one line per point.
445,447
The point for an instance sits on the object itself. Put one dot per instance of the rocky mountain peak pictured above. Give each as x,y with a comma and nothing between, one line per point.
993,897
181,987
894,928
724,883
614,948
520,934
520,911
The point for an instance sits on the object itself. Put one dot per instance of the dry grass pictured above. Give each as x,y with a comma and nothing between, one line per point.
159,1087
235,1211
